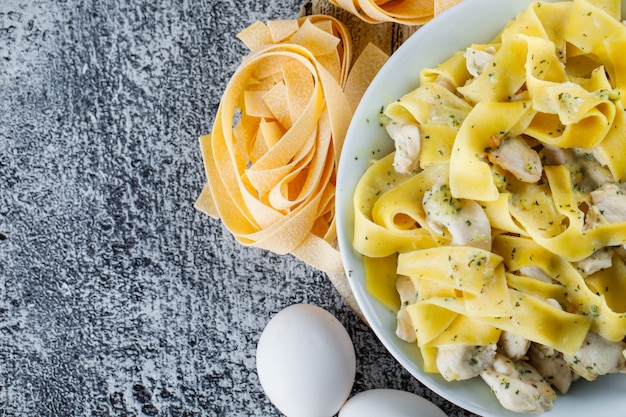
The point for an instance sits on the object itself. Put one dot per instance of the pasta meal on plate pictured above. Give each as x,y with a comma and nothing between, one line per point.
497,227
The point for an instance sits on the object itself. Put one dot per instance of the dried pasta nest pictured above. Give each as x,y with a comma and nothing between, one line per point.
271,159
407,12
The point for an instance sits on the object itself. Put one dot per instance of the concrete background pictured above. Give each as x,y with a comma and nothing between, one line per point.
117,298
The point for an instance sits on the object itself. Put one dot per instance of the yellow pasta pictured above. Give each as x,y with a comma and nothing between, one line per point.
272,156
386,236
408,12
470,175
527,136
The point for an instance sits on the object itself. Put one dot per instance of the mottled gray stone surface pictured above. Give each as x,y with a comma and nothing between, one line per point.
116,296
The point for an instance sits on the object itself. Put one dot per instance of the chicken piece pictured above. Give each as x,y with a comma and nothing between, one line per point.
521,95
554,303
517,157
609,203
465,220
552,366
513,346
592,218
535,272
593,173
555,155
404,326
457,362
600,259
518,386
407,142
597,356
476,60
445,82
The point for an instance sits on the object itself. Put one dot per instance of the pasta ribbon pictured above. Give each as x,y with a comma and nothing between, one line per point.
272,156
615,139
471,175
587,241
588,26
386,227
431,103
407,12
532,317
519,60
544,21
577,297
452,72
572,115
465,269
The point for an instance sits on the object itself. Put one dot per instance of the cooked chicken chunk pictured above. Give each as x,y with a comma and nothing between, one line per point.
597,356
407,142
600,259
552,367
533,271
609,203
445,82
404,326
555,155
457,362
476,60
465,220
593,173
513,346
517,157
554,303
518,386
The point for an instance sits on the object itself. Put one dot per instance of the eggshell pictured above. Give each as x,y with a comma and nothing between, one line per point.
306,362
389,403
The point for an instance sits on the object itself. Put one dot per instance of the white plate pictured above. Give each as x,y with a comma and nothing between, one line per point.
472,21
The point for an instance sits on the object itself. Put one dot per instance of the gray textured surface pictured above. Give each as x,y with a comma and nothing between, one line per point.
116,296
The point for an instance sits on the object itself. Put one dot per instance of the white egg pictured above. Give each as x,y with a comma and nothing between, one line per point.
306,362
389,403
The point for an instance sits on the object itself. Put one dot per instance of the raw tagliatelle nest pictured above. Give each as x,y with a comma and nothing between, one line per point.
407,12
272,157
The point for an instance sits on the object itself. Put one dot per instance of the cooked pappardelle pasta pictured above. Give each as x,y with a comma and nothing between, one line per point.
499,222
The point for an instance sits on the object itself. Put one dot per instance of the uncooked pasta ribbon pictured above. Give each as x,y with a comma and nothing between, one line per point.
407,12
272,156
